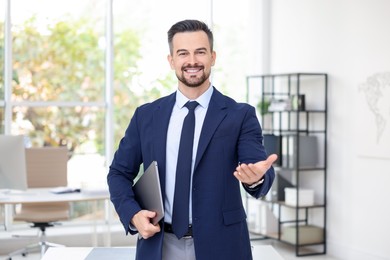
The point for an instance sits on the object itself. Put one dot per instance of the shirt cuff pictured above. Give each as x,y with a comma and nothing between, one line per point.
132,227
254,185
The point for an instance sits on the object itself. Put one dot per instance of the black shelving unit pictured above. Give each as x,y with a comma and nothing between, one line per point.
293,111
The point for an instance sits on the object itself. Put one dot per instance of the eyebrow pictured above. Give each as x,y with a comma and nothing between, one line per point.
199,49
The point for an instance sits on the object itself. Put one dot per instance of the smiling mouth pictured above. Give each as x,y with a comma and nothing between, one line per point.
193,70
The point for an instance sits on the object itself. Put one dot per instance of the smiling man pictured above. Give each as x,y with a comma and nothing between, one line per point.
205,145
191,56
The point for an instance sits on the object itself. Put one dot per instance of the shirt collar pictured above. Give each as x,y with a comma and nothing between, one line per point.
203,100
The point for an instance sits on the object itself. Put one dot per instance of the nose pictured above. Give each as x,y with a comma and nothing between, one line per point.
192,59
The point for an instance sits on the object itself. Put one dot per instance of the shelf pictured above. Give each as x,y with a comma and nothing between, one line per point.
282,203
264,236
294,74
276,236
302,168
292,132
295,111
299,137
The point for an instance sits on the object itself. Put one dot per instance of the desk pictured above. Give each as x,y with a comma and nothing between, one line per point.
40,195
128,253
43,195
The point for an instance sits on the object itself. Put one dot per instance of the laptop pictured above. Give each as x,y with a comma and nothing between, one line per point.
148,192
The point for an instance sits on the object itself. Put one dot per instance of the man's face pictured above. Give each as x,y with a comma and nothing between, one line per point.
192,58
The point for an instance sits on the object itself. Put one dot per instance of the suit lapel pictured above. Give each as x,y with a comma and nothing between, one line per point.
215,114
161,117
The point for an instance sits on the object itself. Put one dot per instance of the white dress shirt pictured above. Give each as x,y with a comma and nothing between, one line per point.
179,112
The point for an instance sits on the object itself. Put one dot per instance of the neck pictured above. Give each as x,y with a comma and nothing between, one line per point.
193,93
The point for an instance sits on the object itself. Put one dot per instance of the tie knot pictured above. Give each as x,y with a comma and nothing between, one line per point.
191,105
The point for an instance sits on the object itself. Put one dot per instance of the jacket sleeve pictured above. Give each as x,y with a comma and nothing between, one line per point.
251,150
123,170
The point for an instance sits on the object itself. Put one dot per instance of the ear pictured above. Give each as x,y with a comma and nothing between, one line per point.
213,57
170,60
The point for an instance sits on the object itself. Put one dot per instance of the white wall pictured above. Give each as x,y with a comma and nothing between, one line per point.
349,40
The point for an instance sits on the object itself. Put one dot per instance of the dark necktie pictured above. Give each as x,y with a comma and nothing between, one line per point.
181,201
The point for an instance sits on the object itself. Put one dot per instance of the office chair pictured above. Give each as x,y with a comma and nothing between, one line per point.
46,167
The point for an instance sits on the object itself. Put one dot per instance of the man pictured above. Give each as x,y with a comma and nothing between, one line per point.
227,149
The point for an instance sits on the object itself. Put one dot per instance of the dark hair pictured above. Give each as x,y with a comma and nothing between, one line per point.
189,26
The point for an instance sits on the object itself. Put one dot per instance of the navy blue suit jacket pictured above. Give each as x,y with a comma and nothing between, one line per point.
231,134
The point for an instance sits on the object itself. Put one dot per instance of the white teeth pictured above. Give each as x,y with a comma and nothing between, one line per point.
192,71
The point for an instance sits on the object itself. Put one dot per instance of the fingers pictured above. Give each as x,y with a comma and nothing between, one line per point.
149,214
271,159
251,173
263,165
246,174
142,221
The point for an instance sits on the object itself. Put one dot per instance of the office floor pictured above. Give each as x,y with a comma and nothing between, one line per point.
287,252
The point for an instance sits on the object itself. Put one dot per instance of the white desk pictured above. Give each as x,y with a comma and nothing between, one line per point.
119,253
42,195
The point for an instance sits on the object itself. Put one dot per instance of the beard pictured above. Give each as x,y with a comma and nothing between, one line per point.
193,82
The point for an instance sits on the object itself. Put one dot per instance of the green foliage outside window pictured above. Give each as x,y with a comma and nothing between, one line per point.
64,61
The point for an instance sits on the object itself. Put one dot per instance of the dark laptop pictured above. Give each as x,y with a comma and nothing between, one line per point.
148,192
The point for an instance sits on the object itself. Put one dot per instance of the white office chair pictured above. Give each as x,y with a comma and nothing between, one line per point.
46,167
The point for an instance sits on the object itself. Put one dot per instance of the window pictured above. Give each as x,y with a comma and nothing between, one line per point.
2,52
58,85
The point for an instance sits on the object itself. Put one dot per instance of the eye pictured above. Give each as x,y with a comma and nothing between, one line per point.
201,52
182,53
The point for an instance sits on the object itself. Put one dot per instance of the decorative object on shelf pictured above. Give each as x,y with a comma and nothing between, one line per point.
263,106
293,103
273,145
308,234
298,102
308,151
306,197
282,104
